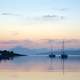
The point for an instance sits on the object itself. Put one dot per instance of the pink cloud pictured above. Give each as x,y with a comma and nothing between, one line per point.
46,43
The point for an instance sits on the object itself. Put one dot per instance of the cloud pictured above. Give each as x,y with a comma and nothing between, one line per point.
43,43
9,42
10,14
52,17
72,41
15,33
13,43
49,17
58,9
46,17
61,40
64,9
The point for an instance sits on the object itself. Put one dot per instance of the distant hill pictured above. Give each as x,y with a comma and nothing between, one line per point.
22,50
43,51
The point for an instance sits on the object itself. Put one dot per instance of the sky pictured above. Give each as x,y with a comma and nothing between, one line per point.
33,20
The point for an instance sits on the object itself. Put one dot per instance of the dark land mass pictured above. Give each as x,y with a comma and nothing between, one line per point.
8,55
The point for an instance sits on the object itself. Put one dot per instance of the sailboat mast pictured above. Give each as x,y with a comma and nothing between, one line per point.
51,53
51,49
63,56
63,46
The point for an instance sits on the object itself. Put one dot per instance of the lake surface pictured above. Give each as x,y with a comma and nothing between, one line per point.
42,67
41,63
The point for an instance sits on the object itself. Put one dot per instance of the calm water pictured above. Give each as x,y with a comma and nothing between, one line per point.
40,68
41,64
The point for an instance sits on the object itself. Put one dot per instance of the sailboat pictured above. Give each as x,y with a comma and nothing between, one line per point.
51,55
64,56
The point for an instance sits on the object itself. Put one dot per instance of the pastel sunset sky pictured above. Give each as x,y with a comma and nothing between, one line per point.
30,20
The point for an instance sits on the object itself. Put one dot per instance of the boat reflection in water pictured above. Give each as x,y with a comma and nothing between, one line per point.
5,58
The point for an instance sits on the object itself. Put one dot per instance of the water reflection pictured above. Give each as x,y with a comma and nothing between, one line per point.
63,64
42,63
6,58
57,64
51,67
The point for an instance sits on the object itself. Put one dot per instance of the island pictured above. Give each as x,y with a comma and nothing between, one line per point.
8,55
